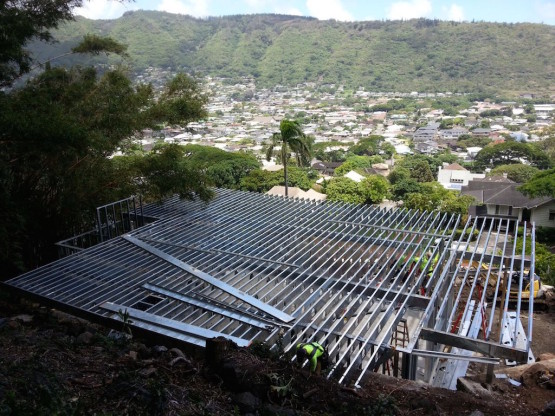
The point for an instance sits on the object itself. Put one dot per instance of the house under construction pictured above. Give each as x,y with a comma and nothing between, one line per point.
397,291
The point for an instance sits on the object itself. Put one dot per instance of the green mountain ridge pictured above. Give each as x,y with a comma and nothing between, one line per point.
415,55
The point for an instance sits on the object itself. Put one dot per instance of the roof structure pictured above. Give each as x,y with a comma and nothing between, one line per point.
374,286
295,192
501,193
454,166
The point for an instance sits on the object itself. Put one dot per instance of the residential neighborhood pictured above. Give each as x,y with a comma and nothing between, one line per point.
243,117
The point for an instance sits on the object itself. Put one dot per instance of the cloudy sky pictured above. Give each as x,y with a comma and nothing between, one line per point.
537,11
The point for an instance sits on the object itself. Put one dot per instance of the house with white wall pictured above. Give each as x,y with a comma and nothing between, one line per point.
454,176
499,197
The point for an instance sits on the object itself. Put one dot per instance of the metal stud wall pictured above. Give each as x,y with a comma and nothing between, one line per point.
358,279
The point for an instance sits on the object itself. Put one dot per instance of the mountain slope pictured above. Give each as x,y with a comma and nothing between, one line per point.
424,55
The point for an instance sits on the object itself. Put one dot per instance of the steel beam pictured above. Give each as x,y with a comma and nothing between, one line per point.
276,313
487,348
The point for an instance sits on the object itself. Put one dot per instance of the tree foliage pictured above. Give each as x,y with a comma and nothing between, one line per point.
21,22
290,139
357,163
344,190
547,145
222,169
374,189
263,180
166,171
433,196
371,190
57,133
541,184
94,45
373,145
512,152
288,50
517,172
420,167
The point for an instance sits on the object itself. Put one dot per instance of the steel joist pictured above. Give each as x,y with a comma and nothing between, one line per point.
376,287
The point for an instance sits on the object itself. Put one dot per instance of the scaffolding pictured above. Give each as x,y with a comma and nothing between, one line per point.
358,279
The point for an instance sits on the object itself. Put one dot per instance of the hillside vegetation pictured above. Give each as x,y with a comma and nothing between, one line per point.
414,55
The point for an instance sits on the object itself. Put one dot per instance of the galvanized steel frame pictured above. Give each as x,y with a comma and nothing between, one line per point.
257,268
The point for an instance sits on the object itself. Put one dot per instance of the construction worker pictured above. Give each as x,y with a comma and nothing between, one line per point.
313,352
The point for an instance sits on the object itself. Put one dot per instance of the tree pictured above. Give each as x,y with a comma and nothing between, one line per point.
371,190
57,133
165,171
466,141
404,187
259,181
291,138
421,172
357,163
541,184
228,173
344,190
373,145
547,145
398,174
435,197
512,152
374,189
517,172
22,21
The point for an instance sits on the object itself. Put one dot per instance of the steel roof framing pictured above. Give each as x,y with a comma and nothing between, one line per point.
253,267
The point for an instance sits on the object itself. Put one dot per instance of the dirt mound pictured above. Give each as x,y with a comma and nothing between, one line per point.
52,363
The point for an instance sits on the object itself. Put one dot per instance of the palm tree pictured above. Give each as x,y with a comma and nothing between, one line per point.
291,138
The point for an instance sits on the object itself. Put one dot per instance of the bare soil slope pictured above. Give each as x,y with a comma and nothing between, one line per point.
52,363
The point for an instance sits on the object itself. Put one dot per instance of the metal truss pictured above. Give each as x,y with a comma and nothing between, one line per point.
381,289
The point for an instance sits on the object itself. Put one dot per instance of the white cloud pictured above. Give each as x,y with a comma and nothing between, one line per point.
328,9
197,8
455,13
276,6
103,9
404,10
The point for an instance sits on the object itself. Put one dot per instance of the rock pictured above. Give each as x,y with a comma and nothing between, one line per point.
472,387
177,352
143,351
118,336
518,371
147,372
545,356
159,349
23,318
549,409
216,351
533,374
176,360
64,318
84,339
247,402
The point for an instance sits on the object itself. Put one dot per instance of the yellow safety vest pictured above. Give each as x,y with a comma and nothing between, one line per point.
313,351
